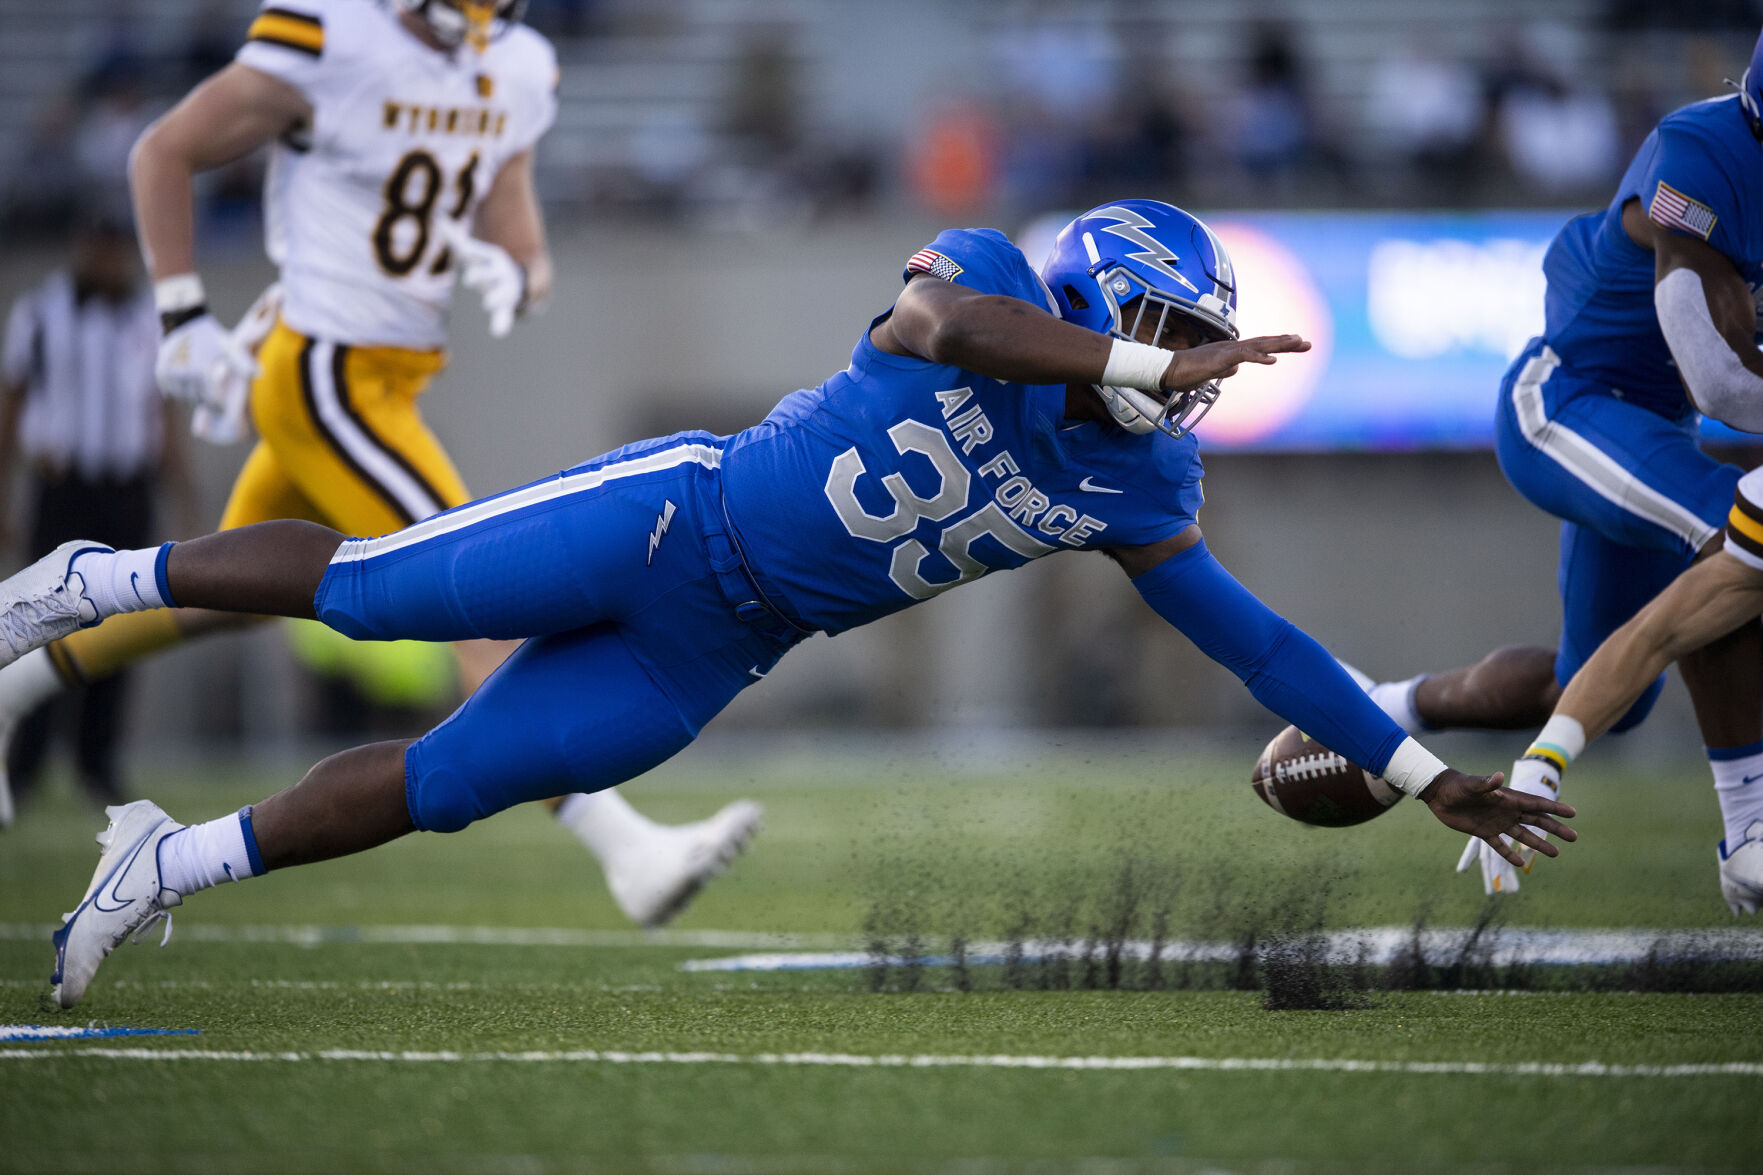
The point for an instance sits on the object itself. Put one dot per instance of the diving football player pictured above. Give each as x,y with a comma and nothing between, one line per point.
993,415
1652,320
393,129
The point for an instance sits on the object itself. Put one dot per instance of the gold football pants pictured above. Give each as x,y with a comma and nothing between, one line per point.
340,439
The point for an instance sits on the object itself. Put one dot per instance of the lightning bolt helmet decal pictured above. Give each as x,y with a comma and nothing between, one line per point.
1130,226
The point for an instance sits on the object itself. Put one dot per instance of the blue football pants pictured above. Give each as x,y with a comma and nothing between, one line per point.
621,575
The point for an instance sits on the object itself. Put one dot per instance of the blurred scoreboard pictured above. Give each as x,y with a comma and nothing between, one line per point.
1414,317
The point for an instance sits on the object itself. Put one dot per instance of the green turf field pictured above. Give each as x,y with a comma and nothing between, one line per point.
360,1046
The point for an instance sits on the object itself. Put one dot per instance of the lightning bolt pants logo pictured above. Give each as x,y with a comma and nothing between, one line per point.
662,522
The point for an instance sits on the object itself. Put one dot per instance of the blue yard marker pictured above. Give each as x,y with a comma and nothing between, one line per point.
90,1032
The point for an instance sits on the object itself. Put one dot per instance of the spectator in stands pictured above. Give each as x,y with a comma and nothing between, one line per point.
118,111
1558,130
43,181
1424,116
1271,121
78,402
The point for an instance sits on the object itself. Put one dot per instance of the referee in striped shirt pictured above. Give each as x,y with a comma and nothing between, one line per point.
80,412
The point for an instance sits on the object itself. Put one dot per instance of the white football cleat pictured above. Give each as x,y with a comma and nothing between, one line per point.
45,602
654,878
1741,871
125,898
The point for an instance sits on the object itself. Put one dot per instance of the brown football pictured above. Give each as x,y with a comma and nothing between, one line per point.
1299,777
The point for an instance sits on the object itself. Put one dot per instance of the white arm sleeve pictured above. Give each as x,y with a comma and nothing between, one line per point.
1722,385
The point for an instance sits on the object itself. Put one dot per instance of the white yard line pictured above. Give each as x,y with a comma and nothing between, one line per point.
1375,946
777,952
496,936
1586,1069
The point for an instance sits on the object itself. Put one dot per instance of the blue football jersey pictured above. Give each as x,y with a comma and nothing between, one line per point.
898,478
1692,175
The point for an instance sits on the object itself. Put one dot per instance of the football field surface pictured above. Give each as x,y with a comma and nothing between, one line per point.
1060,961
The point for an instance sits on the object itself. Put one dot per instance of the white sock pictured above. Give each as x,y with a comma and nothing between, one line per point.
121,581
26,684
1396,698
604,821
205,855
1738,783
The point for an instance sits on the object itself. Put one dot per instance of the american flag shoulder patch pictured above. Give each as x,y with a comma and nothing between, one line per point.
934,263
1673,209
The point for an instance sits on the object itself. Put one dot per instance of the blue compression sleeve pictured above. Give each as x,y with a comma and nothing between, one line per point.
1286,670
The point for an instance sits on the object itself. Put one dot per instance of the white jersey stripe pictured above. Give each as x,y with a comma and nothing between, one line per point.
357,550
1590,464
340,425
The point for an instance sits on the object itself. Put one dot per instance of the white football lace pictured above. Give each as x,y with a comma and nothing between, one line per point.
23,623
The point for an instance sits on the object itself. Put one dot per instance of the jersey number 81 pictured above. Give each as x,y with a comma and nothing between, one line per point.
411,192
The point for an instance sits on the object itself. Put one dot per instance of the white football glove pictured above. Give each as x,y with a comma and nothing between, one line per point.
203,364
1533,776
490,271
224,424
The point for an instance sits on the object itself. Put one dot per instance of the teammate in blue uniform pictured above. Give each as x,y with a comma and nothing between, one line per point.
1651,321
992,416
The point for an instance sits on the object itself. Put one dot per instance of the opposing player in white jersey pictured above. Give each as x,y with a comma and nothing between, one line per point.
395,129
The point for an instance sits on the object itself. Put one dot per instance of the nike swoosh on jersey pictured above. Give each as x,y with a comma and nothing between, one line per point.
755,672
1089,487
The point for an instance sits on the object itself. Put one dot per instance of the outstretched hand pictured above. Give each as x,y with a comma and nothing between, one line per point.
1210,361
1489,812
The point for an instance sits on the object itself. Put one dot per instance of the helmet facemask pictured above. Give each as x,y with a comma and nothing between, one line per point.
1178,411
464,22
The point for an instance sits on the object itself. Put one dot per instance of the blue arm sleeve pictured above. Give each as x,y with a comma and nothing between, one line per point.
1286,670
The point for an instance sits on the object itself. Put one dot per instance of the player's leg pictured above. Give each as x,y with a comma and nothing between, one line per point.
1723,679
260,492
525,735
1512,688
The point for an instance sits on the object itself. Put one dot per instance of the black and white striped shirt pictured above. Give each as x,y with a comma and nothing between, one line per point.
91,404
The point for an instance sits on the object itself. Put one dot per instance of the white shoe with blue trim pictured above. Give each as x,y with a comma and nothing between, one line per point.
45,602
1741,871
656,877
125,898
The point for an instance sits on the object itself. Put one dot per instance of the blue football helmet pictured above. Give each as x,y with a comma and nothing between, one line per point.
1130,260
1751,91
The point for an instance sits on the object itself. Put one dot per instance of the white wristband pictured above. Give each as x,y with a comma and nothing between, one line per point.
1562,733
1136,365
182,291
1412,768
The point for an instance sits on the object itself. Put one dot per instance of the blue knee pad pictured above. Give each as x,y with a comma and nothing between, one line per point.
568,713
